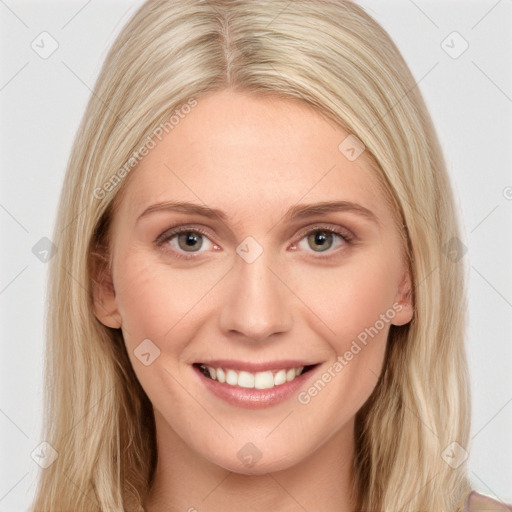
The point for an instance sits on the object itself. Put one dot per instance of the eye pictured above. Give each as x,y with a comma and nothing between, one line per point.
319,240
186,242
189,241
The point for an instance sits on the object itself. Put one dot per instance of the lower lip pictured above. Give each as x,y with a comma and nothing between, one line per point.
251,398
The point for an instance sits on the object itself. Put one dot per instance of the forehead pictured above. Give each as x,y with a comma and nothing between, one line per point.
241,153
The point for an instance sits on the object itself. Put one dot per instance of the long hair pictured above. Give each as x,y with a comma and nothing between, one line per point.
333,57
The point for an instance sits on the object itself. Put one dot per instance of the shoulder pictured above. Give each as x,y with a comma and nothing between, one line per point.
476,502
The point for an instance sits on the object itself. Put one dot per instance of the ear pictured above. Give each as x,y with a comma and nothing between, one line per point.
403,304
104,295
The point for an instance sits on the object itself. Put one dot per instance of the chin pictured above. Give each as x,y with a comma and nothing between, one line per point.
250,460
261,467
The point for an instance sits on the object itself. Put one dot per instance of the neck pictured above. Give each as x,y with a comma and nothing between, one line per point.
186,481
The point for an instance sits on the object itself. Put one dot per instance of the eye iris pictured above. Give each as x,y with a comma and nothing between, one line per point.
187,240
321,238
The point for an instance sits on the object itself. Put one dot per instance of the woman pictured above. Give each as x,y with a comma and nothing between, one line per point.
255,303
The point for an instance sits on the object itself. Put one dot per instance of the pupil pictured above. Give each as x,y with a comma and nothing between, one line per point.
188,240
321,239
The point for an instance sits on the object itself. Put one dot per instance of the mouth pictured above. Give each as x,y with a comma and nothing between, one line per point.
254,386
267,379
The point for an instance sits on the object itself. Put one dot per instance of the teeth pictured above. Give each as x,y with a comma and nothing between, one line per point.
246,380
258,380
280,377
263,380
221,376
231,377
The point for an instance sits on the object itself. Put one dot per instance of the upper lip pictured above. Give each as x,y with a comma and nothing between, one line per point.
255,367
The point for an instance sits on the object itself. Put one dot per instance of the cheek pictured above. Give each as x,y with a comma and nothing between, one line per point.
353,298
355,304
160,304
153,298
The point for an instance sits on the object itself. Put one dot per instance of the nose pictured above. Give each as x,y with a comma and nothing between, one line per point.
257,305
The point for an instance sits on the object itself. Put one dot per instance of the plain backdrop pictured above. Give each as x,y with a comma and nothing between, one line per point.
460,53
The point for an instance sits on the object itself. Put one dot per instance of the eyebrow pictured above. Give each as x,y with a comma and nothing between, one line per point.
296,212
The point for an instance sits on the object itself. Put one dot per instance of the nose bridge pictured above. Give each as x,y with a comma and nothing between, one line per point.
257,305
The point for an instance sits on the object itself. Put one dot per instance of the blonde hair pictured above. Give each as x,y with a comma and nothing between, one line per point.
335,58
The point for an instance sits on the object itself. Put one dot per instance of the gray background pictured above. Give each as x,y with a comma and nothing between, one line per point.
42,101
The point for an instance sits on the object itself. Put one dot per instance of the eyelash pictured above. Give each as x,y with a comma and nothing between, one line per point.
170,233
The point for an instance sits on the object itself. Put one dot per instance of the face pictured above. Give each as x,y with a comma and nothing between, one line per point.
256,273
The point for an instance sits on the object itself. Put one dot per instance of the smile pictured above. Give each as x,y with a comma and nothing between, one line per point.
254,386
252,380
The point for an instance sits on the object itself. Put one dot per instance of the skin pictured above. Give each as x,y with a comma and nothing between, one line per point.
253,158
